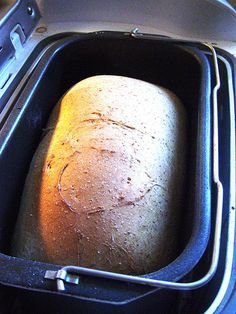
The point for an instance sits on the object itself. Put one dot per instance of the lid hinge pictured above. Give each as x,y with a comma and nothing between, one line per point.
16,25
18,38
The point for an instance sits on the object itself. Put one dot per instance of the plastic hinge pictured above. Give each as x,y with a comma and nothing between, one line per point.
15,27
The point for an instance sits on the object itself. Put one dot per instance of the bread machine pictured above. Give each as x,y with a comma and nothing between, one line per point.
187,47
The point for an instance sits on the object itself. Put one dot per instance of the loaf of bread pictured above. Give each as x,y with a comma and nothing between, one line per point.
105,186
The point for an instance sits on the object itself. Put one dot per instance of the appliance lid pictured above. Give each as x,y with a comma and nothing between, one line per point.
201,19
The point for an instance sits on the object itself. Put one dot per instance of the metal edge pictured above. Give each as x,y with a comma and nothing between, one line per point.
231,228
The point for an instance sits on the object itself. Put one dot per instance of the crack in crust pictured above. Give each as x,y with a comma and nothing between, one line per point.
118,123
99,208
138,199
60,189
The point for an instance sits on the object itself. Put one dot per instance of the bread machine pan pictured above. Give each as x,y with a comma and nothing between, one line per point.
184,70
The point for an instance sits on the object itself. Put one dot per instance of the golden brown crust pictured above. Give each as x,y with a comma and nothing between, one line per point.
105,185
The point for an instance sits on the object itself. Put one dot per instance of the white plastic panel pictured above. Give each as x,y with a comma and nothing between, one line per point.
208,19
